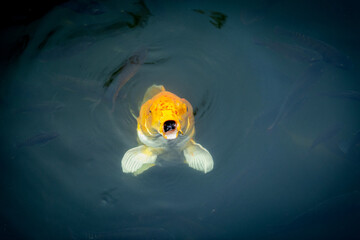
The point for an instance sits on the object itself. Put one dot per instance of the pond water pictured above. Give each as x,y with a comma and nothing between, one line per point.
275,91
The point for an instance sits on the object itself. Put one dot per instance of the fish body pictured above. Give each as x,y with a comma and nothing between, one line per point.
338,215
165,125
38,139
91,7
326,135
351,147
125,233
354,141
47,38
291,51
329,53
45,107
297,93
123,74
65,50
349,94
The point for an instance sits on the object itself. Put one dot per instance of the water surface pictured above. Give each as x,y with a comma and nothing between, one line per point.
275,91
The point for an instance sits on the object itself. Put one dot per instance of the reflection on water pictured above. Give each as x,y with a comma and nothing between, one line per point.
275,91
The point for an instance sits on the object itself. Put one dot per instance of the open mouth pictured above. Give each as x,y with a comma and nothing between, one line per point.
170,129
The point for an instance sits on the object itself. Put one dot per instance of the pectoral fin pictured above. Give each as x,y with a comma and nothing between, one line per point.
198,157
138,159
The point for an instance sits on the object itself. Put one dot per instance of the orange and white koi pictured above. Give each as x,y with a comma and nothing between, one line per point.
165,124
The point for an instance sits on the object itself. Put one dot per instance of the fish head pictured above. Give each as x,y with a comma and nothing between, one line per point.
165,114
168,112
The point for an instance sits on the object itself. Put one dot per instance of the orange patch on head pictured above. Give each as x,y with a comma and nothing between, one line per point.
156,114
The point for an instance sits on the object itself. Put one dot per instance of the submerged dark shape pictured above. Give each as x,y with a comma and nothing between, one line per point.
199,11
296,94
66,50
97,29
248,17
257,12
123,74
204,106
291,51
351,147
143,233
218,19
108,198
330,54
47,37
44,107
349,94
335,218
354,141
16,48
23,43
138,21
139,17
74,84
91,7
38,139
263,119
326,135
158,61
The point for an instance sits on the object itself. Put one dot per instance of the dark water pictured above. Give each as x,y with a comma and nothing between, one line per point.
275,89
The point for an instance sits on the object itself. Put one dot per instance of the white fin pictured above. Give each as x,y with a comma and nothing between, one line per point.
138,159
132,113
198,157
152,91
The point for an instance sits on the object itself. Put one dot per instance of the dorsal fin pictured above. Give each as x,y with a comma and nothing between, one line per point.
152,91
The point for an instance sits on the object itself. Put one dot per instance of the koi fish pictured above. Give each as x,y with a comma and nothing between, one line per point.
329,53
165,125
122,75
91,7
125,233
45,107
326,135
348,94
332,213
38,139
297,93
350,146
291,51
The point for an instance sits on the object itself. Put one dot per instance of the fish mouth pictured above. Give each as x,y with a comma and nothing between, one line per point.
170,129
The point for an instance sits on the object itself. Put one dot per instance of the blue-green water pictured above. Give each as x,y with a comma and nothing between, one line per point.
275,90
